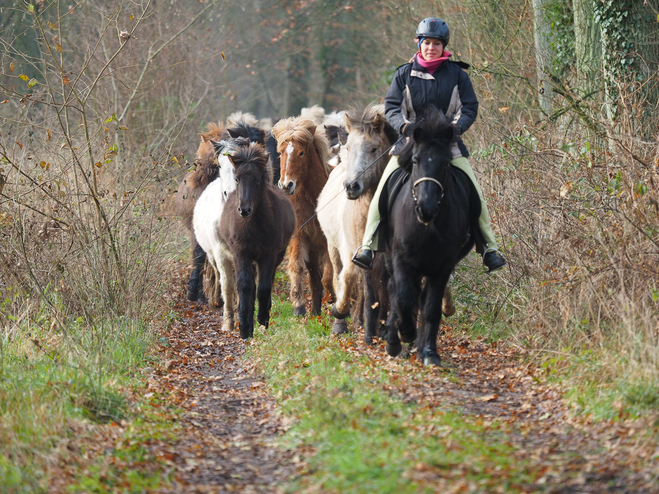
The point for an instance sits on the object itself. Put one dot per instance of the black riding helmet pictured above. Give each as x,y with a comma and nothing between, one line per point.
432,27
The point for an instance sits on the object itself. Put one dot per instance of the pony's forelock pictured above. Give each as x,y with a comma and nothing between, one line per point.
298,129
363,120
253,153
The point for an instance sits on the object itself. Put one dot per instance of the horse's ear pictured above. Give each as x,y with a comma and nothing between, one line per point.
312,129
231,160
218,146
347,121
232,133
418,134
378,123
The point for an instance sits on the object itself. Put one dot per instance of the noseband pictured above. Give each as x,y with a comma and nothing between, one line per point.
428,179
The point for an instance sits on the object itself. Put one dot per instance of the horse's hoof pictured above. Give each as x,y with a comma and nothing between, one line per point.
432,359
246,333
335,312
193,295
393,349
300,311
407,337
368,339
340,327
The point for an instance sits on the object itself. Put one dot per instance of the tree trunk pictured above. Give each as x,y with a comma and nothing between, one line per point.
543,54
588,49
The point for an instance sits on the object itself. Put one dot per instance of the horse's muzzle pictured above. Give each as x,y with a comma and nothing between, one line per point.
289,188
354,189
244,212
425,216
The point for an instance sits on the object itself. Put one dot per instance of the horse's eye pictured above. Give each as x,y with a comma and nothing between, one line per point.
301,153
236,179
374,150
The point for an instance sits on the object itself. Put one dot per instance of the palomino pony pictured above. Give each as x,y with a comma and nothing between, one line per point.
255,228
195,182
343,216
303,174
432,225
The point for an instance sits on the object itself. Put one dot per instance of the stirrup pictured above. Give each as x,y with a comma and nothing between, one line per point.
493,260
363,259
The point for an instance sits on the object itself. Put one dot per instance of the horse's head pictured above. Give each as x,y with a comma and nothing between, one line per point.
428,159
227,175
369,136
300,148
250,164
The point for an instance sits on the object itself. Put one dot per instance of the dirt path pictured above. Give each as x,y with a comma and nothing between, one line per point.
231,426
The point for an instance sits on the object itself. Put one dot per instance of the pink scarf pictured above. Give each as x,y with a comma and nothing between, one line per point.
433,65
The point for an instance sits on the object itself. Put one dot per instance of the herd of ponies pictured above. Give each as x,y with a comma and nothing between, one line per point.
302,188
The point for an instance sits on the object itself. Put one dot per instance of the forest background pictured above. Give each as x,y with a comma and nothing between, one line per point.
102,103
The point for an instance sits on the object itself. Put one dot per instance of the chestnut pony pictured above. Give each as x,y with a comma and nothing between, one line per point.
304,153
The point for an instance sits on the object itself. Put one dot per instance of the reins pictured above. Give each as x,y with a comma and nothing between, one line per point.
344,188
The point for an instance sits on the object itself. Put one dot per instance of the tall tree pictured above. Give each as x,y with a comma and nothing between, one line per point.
588,48
543,53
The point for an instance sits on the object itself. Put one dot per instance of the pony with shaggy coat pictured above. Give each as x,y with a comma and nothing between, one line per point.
303,173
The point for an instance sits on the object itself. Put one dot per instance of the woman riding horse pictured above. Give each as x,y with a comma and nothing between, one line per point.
431,79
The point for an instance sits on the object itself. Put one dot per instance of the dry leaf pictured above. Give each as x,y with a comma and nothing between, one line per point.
489,398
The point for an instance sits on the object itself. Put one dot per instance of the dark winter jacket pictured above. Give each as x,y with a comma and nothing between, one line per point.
448,88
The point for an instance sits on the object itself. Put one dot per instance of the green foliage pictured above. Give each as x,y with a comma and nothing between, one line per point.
48,379
560,17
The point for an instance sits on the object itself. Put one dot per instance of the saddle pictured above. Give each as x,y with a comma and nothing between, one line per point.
393,187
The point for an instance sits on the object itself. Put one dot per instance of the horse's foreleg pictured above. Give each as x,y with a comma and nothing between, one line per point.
316,282
246,297
228,282
405,296
296,275
196,281
371,309
264,291
347,280
432,317
328,279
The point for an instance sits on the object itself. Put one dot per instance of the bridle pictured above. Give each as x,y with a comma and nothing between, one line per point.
428,179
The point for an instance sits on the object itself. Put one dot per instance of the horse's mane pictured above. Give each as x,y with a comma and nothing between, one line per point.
215,132
253,153
239,116
436,128
242,128
316,114
369,120
300,129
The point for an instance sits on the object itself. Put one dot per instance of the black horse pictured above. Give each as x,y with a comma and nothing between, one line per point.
432,225
256,226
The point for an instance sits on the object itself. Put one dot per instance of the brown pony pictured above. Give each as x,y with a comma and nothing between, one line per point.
193,184
303,173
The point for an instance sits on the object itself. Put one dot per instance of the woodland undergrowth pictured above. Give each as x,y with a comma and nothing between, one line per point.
576,206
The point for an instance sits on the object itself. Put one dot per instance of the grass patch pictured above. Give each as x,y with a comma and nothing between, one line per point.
366,438
50,380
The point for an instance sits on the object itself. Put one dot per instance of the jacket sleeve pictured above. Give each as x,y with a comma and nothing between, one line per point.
393,101
469,102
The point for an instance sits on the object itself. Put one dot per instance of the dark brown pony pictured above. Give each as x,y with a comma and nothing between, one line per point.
195,182
256,226
303,173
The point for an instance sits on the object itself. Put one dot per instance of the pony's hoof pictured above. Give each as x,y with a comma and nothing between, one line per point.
432,359
340,327
300,311
393,349
368,339
193,295
407,337
246,333
335,312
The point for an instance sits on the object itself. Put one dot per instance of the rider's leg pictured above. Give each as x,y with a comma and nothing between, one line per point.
364,259
492,258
